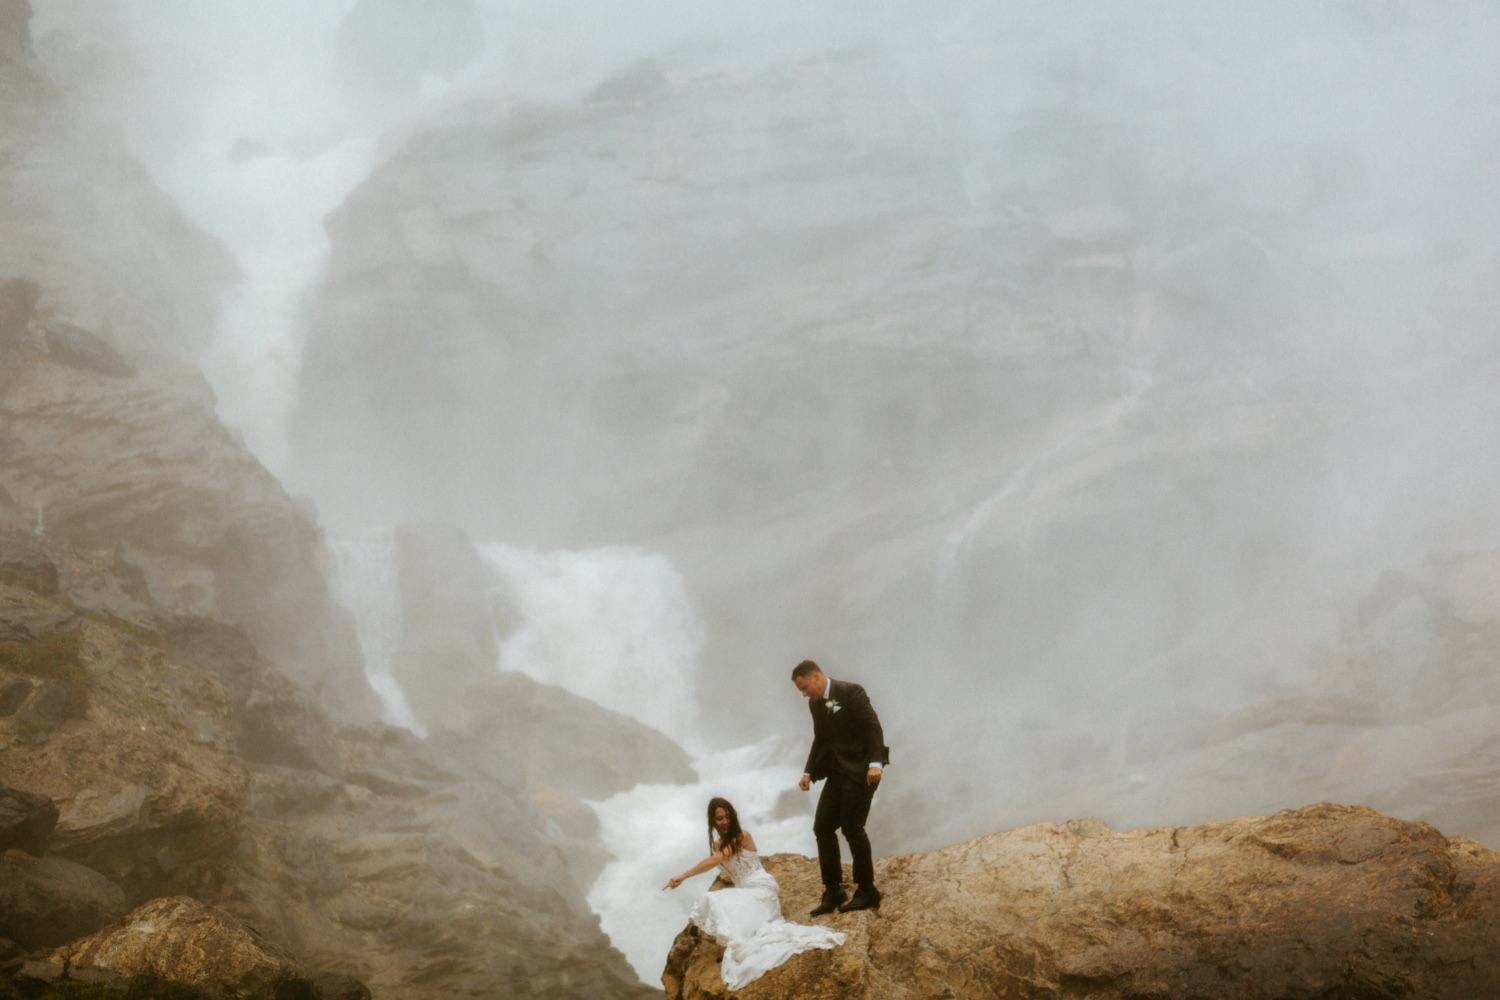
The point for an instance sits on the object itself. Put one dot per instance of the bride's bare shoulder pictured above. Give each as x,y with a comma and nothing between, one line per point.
747,842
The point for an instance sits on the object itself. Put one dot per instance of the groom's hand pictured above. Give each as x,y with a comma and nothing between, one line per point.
872,777
805,783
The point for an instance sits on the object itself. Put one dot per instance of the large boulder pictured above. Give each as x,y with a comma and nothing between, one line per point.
47,901
181,939
1308,903
26,820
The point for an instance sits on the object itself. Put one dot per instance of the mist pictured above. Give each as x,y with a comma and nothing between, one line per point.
1109,389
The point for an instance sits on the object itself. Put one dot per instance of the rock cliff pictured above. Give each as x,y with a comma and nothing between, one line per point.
1016,402
135,468
84,219
183,763
1325,901
187,737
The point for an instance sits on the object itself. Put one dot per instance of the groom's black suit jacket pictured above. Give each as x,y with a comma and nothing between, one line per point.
846,738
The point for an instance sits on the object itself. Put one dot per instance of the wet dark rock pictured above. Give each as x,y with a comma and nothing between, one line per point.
26,820
32,980
287,791
141,579
13,691
335,986
45,902
25,565
47,707
28,625
76,347
276,723
91,817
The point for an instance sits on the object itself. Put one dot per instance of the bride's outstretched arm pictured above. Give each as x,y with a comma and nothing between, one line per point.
712,861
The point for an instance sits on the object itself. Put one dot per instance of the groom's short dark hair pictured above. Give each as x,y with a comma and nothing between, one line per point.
805,668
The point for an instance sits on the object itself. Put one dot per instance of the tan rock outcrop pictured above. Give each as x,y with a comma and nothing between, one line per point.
1322,901
146,778
180,939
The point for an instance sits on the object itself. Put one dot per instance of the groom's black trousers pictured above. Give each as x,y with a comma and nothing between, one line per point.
844,805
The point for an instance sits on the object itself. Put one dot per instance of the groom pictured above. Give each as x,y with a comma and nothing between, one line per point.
849,750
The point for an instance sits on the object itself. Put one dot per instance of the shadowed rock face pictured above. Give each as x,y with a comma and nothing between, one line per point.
47,901
1309,903
26,820
103,461
199,768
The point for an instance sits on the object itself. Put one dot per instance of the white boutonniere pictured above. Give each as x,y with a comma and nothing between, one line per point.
833,705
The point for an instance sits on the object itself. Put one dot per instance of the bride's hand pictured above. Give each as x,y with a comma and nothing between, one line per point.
673,882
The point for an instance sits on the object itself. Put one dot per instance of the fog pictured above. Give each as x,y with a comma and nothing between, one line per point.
1070,376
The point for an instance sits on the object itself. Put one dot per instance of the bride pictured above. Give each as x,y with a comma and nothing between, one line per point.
746,919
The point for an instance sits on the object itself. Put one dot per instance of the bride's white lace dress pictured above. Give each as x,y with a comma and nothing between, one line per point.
746,920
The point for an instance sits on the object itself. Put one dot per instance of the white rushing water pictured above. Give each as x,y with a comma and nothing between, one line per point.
613,625
657,831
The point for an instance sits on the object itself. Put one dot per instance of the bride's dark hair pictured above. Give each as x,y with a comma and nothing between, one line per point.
732,835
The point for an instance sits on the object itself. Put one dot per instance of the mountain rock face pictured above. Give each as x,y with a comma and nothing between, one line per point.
137,469
186,730
192,766
1308,903
111,253
1037,405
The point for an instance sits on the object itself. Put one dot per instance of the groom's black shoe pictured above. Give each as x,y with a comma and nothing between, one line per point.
831,900
866,897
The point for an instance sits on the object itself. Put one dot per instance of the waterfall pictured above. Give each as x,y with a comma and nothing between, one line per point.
363,579
613,625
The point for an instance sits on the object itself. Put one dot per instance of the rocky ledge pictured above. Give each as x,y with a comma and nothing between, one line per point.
1321,902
